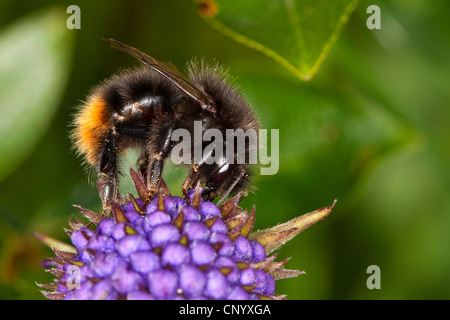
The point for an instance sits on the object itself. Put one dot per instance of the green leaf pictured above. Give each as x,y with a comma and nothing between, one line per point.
328,140
296,33
35,59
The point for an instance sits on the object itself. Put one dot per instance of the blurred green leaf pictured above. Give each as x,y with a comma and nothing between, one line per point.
35,59
322,134
296,33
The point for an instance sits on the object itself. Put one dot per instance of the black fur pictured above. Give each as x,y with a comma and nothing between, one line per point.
143,108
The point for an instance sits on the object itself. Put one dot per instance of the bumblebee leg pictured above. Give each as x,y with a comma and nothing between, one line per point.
107,183
192,179
155,168
107,188
209,194
156,163
143,164
187,184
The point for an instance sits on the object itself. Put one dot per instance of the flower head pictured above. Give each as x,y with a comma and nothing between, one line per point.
171,248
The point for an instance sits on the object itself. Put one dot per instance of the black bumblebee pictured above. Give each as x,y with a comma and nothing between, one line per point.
142,108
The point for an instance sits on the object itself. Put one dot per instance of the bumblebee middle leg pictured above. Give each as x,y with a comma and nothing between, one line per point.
156,162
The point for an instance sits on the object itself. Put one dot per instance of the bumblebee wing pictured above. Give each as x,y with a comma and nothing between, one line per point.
168,73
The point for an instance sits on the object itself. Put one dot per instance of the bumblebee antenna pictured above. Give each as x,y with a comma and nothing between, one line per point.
235,182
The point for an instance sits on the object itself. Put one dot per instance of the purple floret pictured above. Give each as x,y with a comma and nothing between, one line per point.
165,251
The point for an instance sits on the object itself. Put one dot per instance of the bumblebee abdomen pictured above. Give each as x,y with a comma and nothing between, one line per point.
91,124
126,103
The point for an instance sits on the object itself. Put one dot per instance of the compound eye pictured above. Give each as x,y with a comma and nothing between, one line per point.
222,173
224,168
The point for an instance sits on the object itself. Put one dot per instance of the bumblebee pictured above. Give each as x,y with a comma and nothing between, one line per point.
141,109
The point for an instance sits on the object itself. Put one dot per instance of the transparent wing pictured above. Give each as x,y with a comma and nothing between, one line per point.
168,73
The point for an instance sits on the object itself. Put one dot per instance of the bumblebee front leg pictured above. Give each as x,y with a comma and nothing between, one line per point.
107,183
189,182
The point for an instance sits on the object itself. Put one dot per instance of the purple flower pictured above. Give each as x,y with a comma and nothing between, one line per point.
171,248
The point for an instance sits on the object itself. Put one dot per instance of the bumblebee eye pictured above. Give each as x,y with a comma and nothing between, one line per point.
221,174
224,168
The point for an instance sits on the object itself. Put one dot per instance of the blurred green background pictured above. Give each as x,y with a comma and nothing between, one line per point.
371,128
